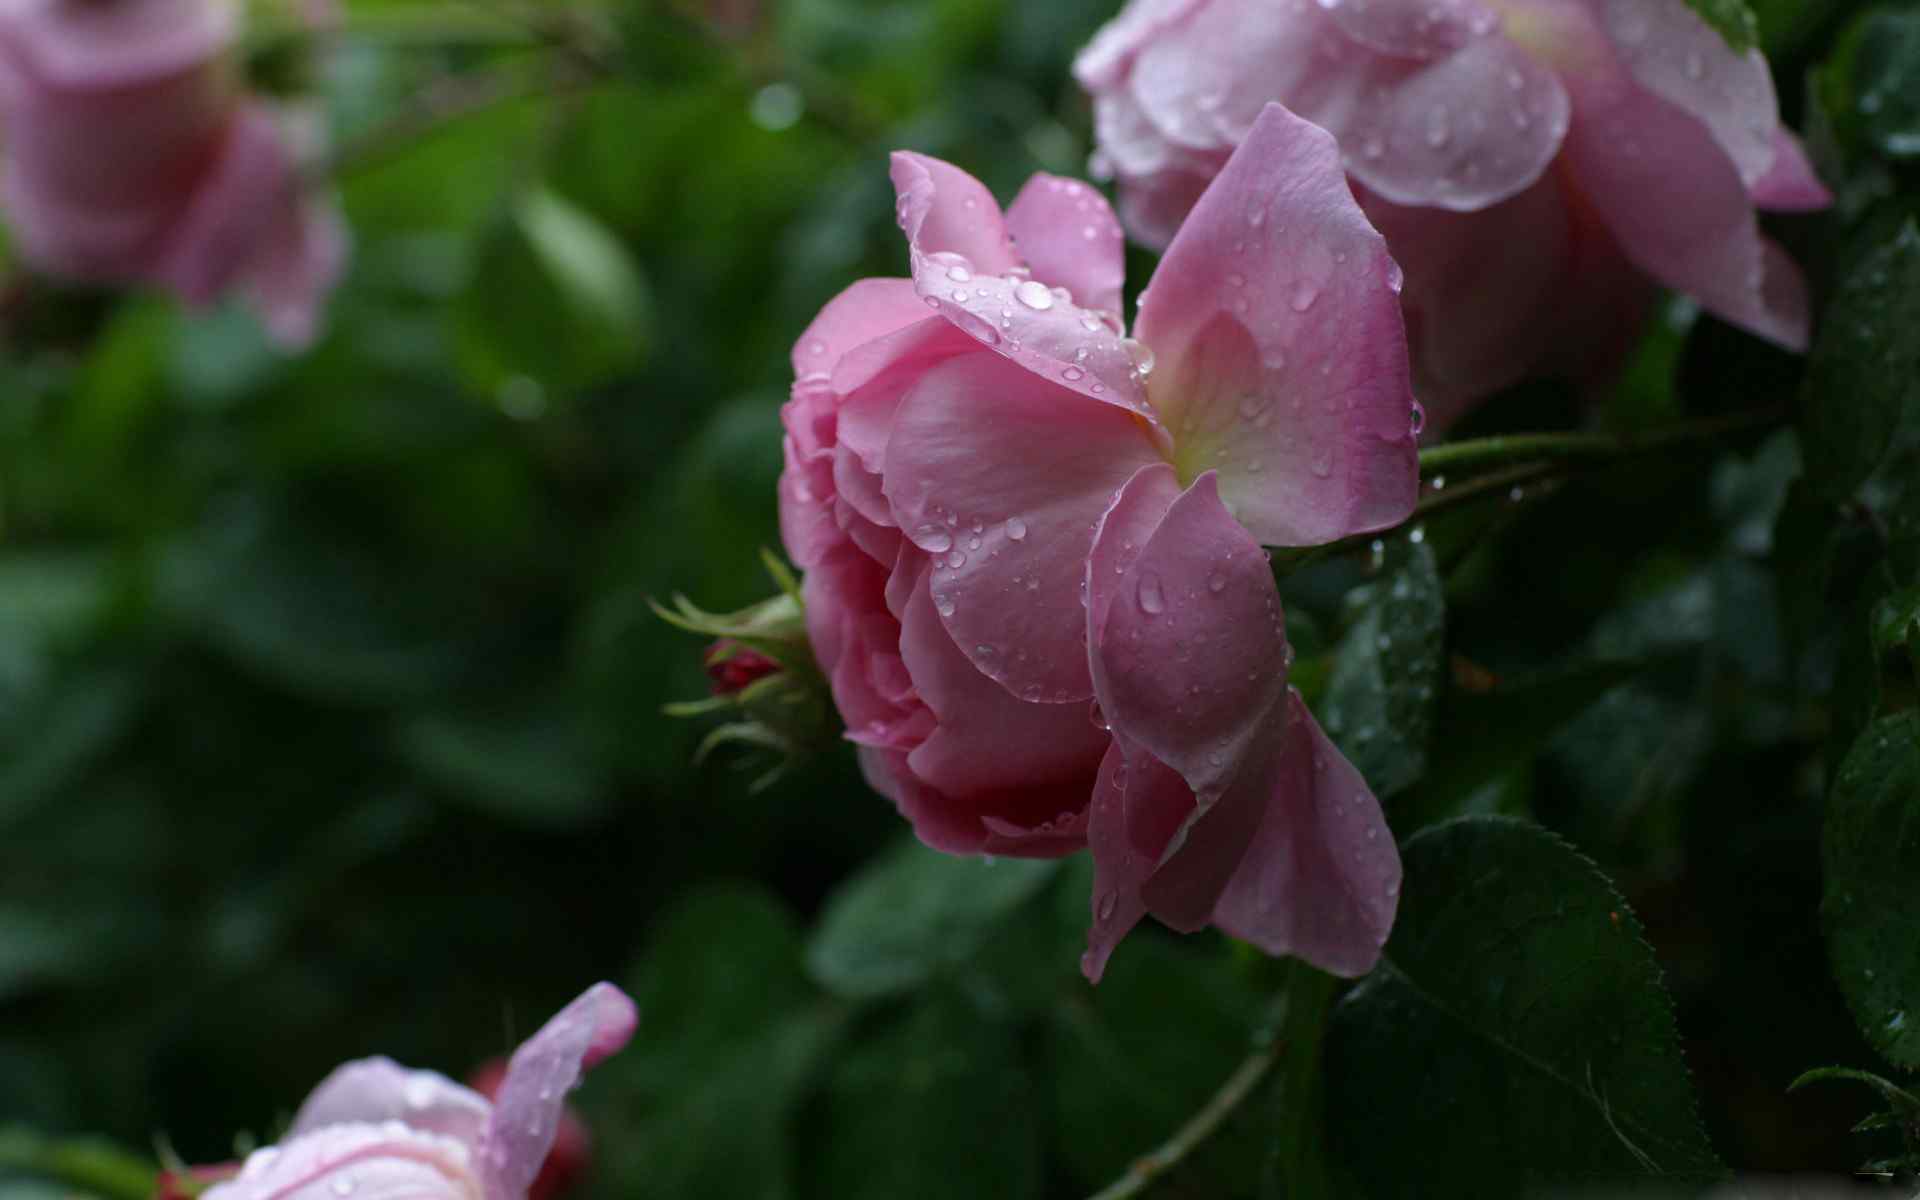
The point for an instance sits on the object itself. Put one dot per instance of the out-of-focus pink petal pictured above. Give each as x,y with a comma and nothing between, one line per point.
1674,54
867,310
999,477
113,45
1411,28
373,1090
1068,234
1282,352
232,211
1460,132
1191,653
1321,878
1680,210
1035,322
527,1110
1479,286
1203,81
1154,205
944,210
1111,51
295,268
1790,184
986,740
369,1162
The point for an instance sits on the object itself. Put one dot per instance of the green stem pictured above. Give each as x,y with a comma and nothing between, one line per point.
1536,447
1232,1094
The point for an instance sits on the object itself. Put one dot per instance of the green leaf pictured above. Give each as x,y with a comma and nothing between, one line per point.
913,913
1386,672
534,763
555,304
1872,906
1468,767
706,1097
1731,19
1863,381
1516,1035
936,1105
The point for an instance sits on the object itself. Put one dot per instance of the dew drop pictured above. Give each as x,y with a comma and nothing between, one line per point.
933,539
1152,598
1108,903
1034,295
1016,529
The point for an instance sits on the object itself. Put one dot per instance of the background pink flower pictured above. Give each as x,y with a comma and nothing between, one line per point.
133,156
1536,165
375,1129
1033,544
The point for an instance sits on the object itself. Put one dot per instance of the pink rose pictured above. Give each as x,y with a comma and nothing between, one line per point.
1535,165
133,156
375,1129
1033,544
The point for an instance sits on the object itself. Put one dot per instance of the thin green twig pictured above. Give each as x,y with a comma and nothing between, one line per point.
1205,1123
1533,447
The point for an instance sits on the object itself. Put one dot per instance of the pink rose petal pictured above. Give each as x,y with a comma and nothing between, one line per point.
998,476
1291,380
532,1097
1321,879
373,1090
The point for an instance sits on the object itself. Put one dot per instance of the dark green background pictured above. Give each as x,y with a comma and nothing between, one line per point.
330,696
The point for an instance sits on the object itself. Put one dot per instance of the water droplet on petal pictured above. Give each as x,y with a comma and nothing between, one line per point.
1152,598
1034,295
933,539
1016,529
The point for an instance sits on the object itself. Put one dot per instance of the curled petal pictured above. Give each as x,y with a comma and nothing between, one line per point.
1069,236
1139,804
373,1090
369,1162
1674,54
964,268
1291,380
528,1107
1790,184
1190,653
998,476
944,210
1321,877
1680,209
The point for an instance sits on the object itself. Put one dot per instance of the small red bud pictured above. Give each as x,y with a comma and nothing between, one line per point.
733,667
572,1149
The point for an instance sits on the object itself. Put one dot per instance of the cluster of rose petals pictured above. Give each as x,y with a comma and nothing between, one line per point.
1535,165
374,1130
1033,544
133,156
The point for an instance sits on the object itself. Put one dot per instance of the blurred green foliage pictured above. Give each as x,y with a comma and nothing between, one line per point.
330,691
